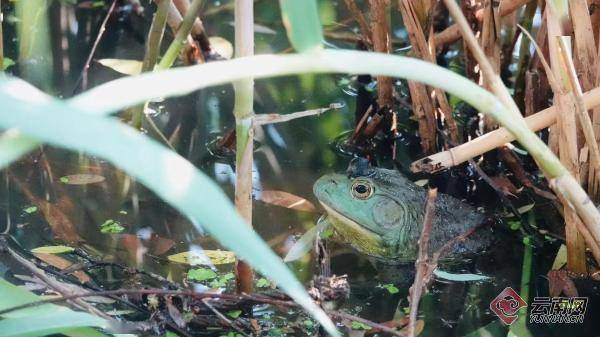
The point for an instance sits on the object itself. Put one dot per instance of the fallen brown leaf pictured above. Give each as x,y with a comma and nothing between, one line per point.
62,264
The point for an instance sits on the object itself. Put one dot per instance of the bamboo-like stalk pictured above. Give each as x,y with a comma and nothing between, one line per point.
491,140
244,114
452,33
566,129
157,29
181,36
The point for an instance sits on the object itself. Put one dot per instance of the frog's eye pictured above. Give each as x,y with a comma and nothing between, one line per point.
362,189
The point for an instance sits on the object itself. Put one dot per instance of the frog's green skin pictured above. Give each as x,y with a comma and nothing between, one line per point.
387,224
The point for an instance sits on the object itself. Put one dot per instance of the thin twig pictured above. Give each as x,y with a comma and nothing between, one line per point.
424,268
279,118
345,315
187,293
222,317
83,78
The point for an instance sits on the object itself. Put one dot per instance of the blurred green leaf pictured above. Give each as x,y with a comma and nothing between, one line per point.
263,283
359,326
201,274
301,20
390,288
234,313
7,63
43,319
111,226
30,209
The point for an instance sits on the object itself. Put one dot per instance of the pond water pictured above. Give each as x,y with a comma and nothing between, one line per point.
289,157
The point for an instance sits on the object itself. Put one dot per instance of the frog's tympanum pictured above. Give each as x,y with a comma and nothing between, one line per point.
380,213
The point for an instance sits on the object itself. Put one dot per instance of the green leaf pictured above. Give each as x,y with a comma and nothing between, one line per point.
53,249
359,326
111,226
201,274
7,63
234,313
127,67
64,180
302,23
263,283
222,280
30,209
45,319
391,288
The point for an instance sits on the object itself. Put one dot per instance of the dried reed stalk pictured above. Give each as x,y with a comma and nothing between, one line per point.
380,34
423,96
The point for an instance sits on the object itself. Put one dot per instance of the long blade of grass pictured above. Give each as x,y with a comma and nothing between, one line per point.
302,23
49,318
165,172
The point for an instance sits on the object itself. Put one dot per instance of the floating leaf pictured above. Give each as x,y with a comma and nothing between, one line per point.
234,313
263,283
111,226
204,257
222,280
561,258
390,288
355,325
305,243
526,208
287,200
82,179
30,209
422,182
53,249
201,274
62,264
221,46
459,277
127,67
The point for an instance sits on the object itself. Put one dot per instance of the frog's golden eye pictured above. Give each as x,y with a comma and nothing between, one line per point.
362,189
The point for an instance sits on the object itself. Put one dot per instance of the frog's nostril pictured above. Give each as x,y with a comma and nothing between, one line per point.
334,182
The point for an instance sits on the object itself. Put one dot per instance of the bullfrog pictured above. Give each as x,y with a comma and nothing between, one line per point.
379,212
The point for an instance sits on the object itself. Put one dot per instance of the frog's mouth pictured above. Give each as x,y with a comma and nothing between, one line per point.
361,238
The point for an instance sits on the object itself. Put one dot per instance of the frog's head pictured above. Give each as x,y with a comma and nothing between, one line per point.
372,211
